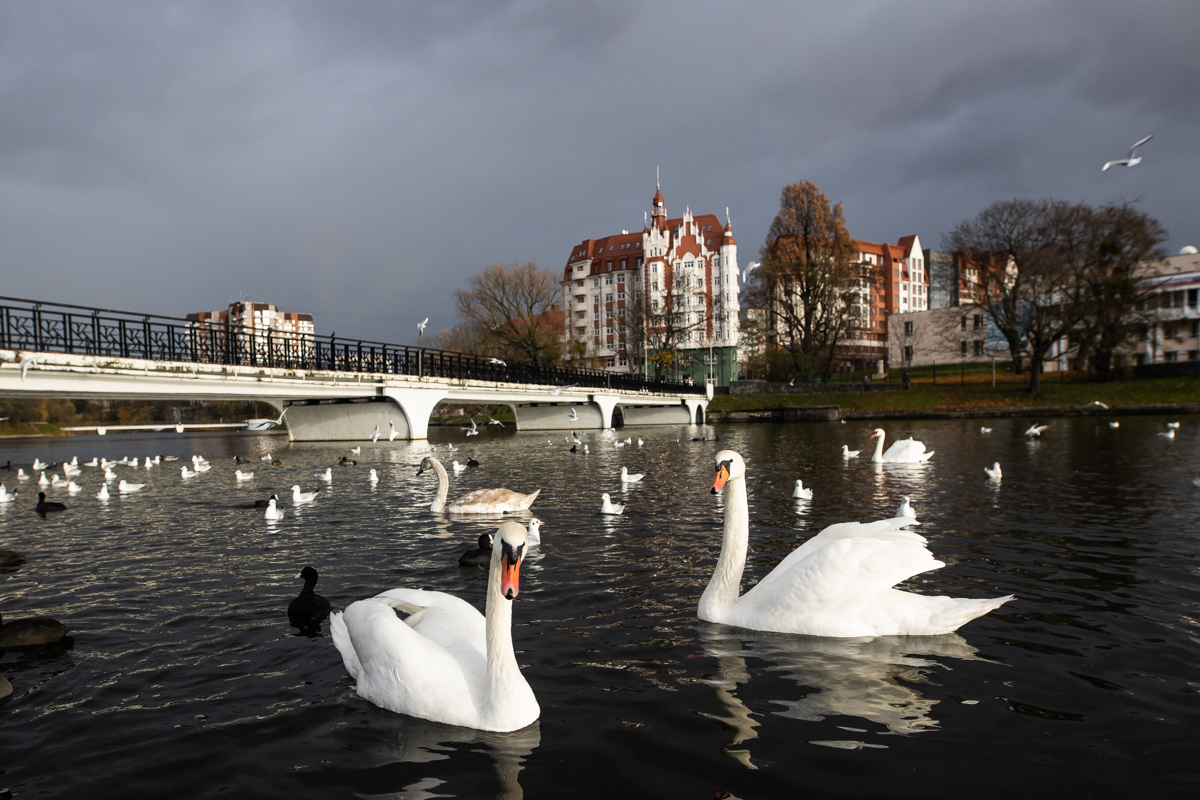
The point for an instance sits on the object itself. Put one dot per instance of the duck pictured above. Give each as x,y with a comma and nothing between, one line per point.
904,451
308,609
800,493
125,487
627,478
327,475
103,493
242,476
345,462
6,496
993,471
607,506
273,511
445,662
480,555
10,558
839,583
303,497
277,462
535,532
480,501
847,453
42,506
905,508
457,466
373,476
30,632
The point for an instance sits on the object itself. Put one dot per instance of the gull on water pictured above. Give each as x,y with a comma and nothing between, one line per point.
609,507
993,471
905,508
1132,160
801,493
627,478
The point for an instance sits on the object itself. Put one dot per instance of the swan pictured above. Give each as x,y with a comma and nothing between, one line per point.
242,476
446,662
457,466
327,475
904,451
185,473
627,478
1036,430
993,471
905,508
74,488
5,495
273,511
838,583
480,501
103,493
480,555
1114,424
800,493
124,487
309,609
373,476
42,506
303,497
847,453
985,430
607,506
30,632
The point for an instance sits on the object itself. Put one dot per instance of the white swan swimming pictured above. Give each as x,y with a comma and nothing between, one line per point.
124,487
838,583
847,453
994,472
303,497
273,510
904,451
480,501
627,478
607,506
242,476
905,508
446,662
800,493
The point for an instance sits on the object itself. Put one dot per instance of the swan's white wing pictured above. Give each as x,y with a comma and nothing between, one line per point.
341,640
448,620
905,449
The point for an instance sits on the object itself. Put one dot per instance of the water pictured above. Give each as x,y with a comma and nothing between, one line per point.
183,678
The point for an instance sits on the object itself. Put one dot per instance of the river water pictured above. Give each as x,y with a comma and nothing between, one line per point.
182,677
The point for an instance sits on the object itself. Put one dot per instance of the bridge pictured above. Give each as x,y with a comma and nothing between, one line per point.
327,389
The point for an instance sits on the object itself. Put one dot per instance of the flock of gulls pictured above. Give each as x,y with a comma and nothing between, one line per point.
446,662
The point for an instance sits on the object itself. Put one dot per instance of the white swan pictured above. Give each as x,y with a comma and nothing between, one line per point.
627,478
103,493
303,497
847,453
273,510
905,508
242,476
124,487
607,506
904,451
838,583
446,662
6,496
480,501
327,475
800,493
994,472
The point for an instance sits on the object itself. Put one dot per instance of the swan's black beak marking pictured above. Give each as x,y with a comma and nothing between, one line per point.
722,476
510,565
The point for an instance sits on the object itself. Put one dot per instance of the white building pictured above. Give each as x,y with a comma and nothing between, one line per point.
1172,311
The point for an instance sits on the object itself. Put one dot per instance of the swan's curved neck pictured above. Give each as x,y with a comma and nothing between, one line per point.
878,448
439,502
502,669
726,582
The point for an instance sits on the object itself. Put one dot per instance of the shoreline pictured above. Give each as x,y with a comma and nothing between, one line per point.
834,413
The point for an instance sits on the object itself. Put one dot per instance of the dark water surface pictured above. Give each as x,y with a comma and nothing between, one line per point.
182,677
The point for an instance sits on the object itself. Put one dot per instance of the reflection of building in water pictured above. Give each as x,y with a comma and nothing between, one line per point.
866,678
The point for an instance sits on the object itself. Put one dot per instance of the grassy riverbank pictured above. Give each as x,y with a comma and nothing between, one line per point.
978,394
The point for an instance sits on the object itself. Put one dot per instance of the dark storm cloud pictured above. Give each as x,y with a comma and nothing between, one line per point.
360,160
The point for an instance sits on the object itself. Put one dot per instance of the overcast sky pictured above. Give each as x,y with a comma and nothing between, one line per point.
359,160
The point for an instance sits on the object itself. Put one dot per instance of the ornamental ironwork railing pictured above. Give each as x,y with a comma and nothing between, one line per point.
62,328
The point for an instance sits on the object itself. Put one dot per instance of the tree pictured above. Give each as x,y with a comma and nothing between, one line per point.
510,312
672,324
806,283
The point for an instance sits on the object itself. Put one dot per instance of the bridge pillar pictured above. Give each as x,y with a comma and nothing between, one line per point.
697,409
417,405
606,403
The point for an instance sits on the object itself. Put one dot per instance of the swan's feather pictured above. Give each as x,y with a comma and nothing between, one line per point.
907,450
492,501
341,640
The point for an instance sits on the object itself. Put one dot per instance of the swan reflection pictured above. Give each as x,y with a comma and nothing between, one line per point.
374,738
868,678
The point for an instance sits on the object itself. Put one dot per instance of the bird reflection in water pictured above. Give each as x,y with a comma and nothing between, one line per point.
375,738
868,678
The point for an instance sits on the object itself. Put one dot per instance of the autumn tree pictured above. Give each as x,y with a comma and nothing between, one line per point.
510,313
806,283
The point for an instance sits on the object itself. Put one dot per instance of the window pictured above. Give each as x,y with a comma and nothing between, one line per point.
624,264
908,352
595,315
962,347
654,304
654,285
620,295
620,279
979,322
979,347
1171,355
964,327
608,297
608,280
595,298
908,329
595,281
579,283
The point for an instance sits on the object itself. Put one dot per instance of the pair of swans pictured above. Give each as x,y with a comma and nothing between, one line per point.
839,583
480,501
902,451
445,662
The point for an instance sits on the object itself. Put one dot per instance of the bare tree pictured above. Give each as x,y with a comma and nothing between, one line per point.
512,311
672,325
806,283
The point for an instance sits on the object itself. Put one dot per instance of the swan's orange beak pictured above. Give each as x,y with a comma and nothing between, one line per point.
873,435
510,572
722,476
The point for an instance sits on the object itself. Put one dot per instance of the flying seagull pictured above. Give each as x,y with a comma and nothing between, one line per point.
421,327
753,265
1132,160
557,390
497,361
25,367
375,435
574,415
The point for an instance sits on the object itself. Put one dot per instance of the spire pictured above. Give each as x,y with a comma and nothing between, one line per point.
660,209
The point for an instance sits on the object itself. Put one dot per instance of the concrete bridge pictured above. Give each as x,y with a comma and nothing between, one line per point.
330,389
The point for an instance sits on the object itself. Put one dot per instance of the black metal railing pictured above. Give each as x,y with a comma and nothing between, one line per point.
62,328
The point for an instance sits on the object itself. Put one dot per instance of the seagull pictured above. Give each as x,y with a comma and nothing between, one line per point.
74,488
1132,160
242,476
800,493
375,435
103,493
451,446
574,416
535,531
985,430
6,496
1098,403
1114,424
1172,425
497,362
557,390
185,472
1196,482
905,509
25,367
993,471
393,433
373,476
421,327
585,450
753,265
267,457
1036,430
124,487
847,453
474,429
457,466
639,442
203,467
609,507
356,450
1168,434
327,475
273,511
493,421
303,497
627,478
109,475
